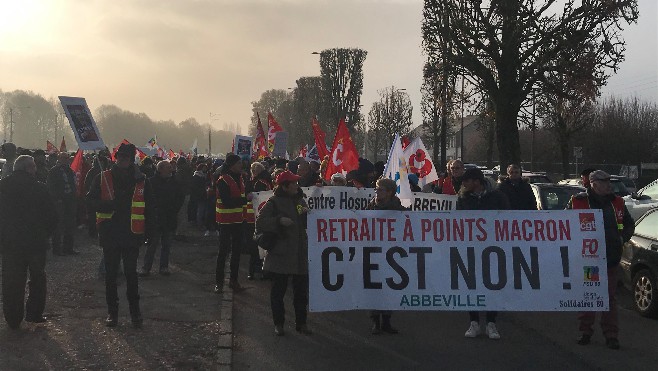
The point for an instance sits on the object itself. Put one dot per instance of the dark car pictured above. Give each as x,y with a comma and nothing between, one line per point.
554,196
617,184
639,263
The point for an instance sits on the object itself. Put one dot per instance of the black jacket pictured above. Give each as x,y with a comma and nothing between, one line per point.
519,194
117,232
490,199
27,214
61,182
393,204
169,197
614,239
198,186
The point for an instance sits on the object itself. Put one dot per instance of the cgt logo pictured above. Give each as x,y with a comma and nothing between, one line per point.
590,248
591,274
587,222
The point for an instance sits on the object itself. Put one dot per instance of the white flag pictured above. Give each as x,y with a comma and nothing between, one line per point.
420,162
397,169
194,146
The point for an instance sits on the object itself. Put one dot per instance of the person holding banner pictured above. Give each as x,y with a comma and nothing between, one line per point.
474,195
285,215
385,199
619,227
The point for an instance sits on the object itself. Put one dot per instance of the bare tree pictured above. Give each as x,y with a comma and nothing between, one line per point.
391,115
508,47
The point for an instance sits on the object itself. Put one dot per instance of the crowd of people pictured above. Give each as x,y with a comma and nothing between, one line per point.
128,205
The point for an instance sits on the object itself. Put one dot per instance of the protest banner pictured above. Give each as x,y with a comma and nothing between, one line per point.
242,146
83,124
432,202
457,260
327,198
281,143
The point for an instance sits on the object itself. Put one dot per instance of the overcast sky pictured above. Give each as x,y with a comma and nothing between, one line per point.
174,59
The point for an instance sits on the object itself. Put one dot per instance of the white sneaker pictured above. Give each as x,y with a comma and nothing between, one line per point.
492,331
207,234
474,330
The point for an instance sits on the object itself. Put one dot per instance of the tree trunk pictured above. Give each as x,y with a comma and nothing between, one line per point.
507,131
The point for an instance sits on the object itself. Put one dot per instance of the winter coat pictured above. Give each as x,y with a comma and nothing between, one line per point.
184,175
169,198
290,254
27,214
393,204
519,194
489,199
614,239
61,183
198,186
117,232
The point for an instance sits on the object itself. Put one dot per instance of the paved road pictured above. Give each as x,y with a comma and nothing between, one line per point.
431,341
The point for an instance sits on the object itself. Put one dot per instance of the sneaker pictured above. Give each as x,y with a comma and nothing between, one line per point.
492,331
207,234
473,330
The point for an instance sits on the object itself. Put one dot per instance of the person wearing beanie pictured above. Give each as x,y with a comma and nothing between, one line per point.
125,214
474,195
229,215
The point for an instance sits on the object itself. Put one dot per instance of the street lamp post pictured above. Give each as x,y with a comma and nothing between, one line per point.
210,131
11,123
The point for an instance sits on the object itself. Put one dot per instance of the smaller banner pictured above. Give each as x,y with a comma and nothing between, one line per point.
432,202
325,198
243,146
83,124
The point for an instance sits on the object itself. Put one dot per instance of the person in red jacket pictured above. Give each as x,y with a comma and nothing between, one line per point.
619,227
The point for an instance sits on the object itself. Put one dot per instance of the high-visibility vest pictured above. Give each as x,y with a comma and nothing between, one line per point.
617,205
137,207
248,209
224,215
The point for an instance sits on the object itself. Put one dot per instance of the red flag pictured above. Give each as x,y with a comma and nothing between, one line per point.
50,148
320,141
139,155
260,144
344,156
77,166
273,128
303,151
62,147
172,154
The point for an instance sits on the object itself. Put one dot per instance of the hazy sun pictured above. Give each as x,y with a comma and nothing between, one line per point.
22,19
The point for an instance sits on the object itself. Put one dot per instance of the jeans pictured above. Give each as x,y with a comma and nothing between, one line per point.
300,297
113,256
15,267
475,316
230,239
164,238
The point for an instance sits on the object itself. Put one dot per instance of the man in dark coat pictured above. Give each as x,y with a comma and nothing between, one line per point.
62,186
27,219
125,213
169,197
474,195
619,227
518,190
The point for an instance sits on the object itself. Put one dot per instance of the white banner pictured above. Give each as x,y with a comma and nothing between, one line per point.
433,202
83,124
457,260
325,198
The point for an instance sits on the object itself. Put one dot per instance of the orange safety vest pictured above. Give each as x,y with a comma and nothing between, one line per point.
137,207
617,205
224,215
248,210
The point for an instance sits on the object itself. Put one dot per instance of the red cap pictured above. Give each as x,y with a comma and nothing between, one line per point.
287,176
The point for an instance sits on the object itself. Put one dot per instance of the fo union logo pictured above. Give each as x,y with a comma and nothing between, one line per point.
591,274
590,248
587,222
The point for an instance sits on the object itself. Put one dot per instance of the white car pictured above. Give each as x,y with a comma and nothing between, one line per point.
645,199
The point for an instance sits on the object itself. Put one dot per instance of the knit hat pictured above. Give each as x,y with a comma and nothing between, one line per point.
231,159
126,149
473,173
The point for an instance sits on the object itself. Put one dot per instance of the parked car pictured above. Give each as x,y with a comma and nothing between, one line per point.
642,201
536,177
639,263
617,185
554,196
628,182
